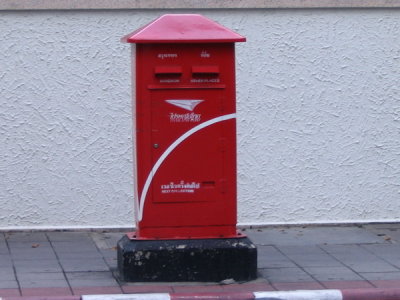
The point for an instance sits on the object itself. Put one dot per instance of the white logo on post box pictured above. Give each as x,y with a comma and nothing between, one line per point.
189,105
185,104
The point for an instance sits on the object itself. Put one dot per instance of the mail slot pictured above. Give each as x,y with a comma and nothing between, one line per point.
184,128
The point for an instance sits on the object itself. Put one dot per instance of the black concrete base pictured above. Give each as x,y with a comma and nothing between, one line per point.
187,260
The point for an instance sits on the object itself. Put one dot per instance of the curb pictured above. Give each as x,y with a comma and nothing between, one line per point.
349,294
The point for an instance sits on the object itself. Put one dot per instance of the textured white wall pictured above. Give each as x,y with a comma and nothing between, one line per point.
318,106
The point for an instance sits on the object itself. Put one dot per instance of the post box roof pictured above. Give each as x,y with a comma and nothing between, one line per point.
183,28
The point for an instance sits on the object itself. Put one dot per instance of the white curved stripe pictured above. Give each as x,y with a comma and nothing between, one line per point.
168,152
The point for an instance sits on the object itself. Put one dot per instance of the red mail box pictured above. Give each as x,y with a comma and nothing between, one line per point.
185,128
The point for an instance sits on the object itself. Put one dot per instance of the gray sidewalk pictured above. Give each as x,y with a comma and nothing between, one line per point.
289,258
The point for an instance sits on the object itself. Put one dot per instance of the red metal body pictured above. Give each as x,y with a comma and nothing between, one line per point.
185,129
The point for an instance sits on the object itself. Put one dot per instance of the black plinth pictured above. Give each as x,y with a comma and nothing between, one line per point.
187,260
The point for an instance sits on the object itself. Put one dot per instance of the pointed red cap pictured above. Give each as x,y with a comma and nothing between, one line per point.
183,28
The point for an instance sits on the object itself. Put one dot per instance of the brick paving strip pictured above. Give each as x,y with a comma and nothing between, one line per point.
353,261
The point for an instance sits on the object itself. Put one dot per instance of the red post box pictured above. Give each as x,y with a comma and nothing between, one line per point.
185,129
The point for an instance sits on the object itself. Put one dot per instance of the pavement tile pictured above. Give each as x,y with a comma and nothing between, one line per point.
17,245
248,287
193,289
5,261
31,280
3,247
290,286
386,284
84,265
97,290
57,236
381,276
388,252
48,283
79,255
301,249
89,279
39,265
34,237
112,263
385,231
106,240
270,257
33,254
306,259
9,293
285,275
8,284
47,291
146,288
359,259
84,246
372,265
309,235
344,285
7,273
332,273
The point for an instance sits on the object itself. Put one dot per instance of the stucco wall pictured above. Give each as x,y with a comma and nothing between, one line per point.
318,116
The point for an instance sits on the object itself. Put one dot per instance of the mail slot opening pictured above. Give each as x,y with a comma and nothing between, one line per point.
205,70
168,70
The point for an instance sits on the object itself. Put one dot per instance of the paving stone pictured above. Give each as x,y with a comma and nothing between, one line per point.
301,249
112,263
5,261
18,245
365,266
42,283
79,255
346,250
57,236
312,236
248,287
381,276
389,253
270,257
3,248
40,265
344,285
332,274
291,286
87,279
8,284
84,265
34,237
146,288
286,275
196,289
387,232
7,273
87,246
106,240
41,276
33,253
